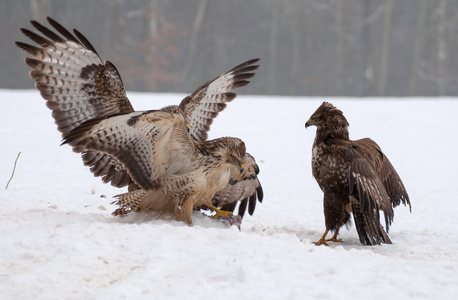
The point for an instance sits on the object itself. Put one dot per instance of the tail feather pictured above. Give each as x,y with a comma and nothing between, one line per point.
370,231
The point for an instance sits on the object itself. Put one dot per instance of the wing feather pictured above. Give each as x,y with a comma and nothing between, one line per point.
69,73
372,195
49,33
102,164
149,145
61,29
393,184
386,172
203,105
78,87
247,191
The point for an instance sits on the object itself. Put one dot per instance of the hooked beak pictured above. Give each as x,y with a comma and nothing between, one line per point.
308,123
241,168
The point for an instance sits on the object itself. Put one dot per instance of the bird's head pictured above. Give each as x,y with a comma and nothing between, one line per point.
231,150
250,164
236,153
327,115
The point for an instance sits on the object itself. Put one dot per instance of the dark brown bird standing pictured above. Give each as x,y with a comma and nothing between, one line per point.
355,177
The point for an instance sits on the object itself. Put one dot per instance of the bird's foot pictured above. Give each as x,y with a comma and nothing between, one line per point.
220,213
324,242
321,242
226,217
334,237
335,240
323,239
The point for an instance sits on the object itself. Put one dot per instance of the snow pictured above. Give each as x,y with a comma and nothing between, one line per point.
61,242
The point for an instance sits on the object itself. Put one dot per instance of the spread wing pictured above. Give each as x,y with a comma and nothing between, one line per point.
202,106
78,87
71,76
245,191
106,166
386,172
363,177
393,183
149,145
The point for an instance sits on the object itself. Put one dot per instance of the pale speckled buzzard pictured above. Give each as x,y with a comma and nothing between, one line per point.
246,191
162,155
355,176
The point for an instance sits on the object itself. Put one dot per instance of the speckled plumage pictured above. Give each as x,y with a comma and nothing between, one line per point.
355,176
246,192
162,155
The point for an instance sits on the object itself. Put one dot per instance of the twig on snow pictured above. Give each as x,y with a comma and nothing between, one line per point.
14,169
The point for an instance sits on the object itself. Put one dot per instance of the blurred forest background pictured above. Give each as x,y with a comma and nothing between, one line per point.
307,47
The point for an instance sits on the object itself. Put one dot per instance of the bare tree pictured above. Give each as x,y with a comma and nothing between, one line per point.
385,48
441,47
196,28
418,45
273,47
339,55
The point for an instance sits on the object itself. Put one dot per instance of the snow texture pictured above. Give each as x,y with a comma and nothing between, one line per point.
60,240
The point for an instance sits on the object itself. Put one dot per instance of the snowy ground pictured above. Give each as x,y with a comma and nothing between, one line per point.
61,242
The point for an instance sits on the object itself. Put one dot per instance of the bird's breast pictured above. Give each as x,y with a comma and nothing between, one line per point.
212,180
328,168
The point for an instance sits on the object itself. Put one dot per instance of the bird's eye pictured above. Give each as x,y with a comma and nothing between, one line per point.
235,160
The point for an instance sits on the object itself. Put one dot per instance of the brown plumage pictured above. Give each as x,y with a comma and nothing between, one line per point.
163,156
355,176
246,191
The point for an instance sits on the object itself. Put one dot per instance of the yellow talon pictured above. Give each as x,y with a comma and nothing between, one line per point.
220,213
323,239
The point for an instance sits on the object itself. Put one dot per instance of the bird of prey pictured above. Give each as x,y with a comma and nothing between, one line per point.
162,155
245,191
355,176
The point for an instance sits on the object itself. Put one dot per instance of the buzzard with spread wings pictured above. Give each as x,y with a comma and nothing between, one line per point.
163,155
355,177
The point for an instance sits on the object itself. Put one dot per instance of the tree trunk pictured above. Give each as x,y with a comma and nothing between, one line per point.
441,48
339,55
419,37
196,28
385,48
273,47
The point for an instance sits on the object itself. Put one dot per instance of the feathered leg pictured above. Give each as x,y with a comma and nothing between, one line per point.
183,211
129,202
335,215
